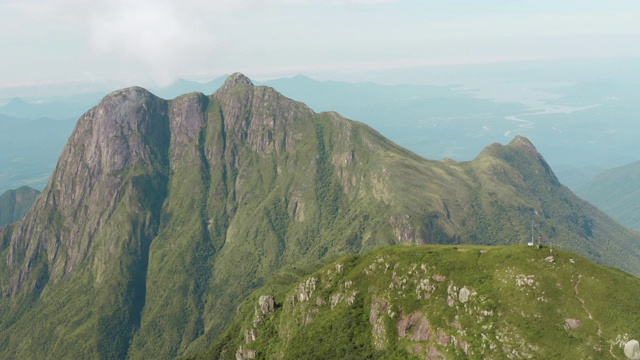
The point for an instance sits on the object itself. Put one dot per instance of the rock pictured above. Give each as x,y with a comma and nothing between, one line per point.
416,322
570,324
434,354
379,331
462,345
550,259
406,322
464,295
378,306
336,299
306,289
443,339
421,331
438,278
266,304
632,350
245,354
352,299
250,335
234,79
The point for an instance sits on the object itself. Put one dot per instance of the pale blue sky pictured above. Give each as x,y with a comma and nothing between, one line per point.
122,42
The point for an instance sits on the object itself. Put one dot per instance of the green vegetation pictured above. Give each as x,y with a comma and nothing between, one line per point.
164,215
457,301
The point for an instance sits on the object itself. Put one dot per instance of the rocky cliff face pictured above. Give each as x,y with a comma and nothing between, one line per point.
162,215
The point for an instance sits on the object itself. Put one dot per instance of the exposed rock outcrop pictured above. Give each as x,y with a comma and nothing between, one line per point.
572,324
632,350
376,318
266,304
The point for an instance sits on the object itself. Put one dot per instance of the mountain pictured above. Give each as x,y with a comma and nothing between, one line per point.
575,177
439,302
14,204
182,86
434,121
60,108
161,216
617,192
578,124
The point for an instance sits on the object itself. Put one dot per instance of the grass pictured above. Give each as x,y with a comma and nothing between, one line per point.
260,183
504,313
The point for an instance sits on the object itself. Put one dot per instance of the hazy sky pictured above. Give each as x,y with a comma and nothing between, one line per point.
123,42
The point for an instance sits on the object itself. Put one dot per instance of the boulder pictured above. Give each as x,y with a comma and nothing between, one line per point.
266,304
570,324
464,295
632,350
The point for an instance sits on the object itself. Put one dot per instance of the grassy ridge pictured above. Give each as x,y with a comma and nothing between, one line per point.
521,304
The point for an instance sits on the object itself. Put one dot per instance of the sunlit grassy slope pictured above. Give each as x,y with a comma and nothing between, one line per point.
407,302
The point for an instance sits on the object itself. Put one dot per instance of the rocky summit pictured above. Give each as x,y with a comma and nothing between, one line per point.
163,215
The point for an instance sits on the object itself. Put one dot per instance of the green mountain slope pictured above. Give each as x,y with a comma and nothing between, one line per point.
14,204
163,215
434,302
617,192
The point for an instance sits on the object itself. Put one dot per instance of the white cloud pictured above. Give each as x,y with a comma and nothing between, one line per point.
159,36
137,40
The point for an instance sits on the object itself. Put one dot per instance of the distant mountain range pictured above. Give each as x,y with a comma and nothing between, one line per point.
163,215
14,204
587,126
617,192
29,150
59,109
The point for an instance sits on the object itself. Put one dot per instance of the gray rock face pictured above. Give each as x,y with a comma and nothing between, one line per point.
250,335
378,309
306,289
245,354
571,324
266,304
464,295
632,350
129,128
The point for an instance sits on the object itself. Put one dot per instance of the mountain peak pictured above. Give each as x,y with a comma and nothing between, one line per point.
238,78
233,80
133,93
16,101
522,142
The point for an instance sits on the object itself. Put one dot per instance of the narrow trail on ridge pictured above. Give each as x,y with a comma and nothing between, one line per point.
582,302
